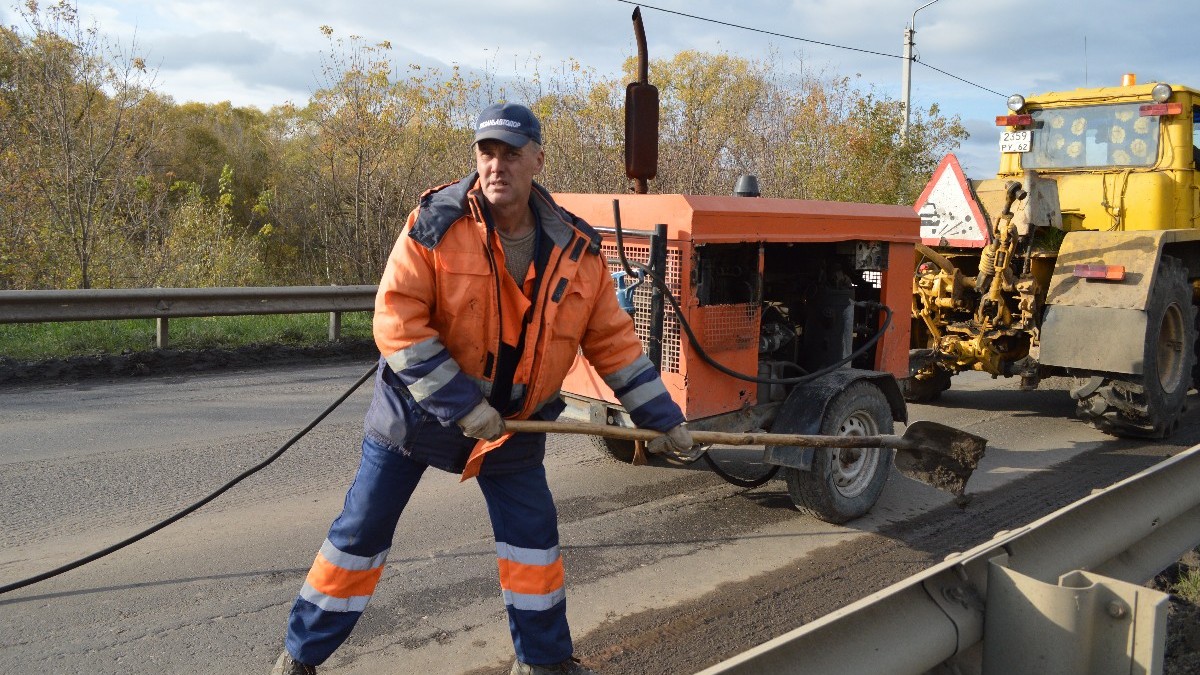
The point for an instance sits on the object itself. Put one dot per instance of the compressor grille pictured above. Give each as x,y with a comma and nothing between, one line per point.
641,299
730,327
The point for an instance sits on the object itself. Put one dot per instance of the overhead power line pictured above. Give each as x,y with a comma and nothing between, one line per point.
815,42
757,30
993,91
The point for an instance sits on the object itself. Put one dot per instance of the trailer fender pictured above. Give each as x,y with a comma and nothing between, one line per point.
806,404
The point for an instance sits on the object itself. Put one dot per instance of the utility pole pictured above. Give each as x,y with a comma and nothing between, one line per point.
906,80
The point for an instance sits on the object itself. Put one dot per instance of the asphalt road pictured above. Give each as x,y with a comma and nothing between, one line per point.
668,569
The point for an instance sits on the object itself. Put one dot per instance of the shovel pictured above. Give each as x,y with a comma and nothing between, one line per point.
932,453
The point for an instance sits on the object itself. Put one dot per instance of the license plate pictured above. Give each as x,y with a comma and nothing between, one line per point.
1015,141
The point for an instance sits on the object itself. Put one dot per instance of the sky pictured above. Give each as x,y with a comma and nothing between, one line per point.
265,52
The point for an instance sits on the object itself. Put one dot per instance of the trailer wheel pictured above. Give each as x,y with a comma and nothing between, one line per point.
844,483
1149,406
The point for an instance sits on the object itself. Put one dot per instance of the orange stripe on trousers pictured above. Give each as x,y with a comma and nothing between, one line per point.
531,579
336,582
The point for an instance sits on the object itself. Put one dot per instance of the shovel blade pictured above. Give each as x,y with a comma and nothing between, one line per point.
938,455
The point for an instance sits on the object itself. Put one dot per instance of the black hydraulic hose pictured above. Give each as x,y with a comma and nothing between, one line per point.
704,356
620,243
748,483
245,474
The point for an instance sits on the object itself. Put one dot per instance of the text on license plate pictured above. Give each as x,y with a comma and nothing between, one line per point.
1015,141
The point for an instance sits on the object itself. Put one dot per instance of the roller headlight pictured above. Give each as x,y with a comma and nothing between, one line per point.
1016,102
1161,93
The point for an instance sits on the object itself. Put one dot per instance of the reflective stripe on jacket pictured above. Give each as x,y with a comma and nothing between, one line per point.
438,317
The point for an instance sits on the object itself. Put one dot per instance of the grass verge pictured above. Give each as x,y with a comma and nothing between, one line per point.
35,341
1187,586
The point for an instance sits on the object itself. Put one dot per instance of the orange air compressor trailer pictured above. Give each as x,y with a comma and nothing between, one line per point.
792,317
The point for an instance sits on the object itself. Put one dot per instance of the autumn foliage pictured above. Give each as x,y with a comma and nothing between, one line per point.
106,183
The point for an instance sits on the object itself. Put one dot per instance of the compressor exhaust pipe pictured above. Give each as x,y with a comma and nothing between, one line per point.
641,117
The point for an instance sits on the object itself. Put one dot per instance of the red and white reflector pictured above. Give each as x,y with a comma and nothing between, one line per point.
1160,109
1014,120
1105,272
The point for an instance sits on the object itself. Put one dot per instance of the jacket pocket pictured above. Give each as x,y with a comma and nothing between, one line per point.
464,285
571,320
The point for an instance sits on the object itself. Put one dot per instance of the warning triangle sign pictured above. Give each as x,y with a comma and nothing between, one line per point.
950,216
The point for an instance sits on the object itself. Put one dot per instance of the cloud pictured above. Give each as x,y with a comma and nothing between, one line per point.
218,48
211,63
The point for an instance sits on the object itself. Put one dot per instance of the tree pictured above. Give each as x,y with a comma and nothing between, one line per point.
204,247
708,101
362,151
74,101
202,140
105,183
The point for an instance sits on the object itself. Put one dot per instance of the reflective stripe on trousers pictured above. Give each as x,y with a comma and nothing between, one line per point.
351,560
525,524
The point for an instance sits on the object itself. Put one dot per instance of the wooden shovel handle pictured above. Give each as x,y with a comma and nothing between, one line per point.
708,437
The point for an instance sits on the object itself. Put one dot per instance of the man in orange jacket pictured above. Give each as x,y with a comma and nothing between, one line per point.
489,293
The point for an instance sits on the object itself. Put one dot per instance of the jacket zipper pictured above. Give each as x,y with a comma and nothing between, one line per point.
551,272
487,247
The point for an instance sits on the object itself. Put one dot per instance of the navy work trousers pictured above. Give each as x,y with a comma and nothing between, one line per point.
352,558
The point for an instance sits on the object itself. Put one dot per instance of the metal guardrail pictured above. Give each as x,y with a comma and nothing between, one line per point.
163,304
1042,615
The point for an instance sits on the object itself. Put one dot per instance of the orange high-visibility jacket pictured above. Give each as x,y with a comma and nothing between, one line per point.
445,301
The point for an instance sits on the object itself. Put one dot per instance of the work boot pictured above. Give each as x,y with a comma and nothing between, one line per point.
286,665
571,667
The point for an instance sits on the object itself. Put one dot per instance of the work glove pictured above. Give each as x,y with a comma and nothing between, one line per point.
677,442
483,422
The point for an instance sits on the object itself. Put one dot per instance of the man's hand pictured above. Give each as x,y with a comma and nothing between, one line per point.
676,442
482,422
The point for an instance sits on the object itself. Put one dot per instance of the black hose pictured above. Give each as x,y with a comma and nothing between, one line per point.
704,356
620,243
748,483
219,491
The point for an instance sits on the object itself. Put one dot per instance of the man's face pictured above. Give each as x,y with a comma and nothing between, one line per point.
506,173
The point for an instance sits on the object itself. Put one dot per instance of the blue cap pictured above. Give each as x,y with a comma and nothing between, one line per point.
510,123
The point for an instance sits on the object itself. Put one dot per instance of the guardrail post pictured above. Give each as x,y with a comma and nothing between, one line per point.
160,332
1088,624
335,326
